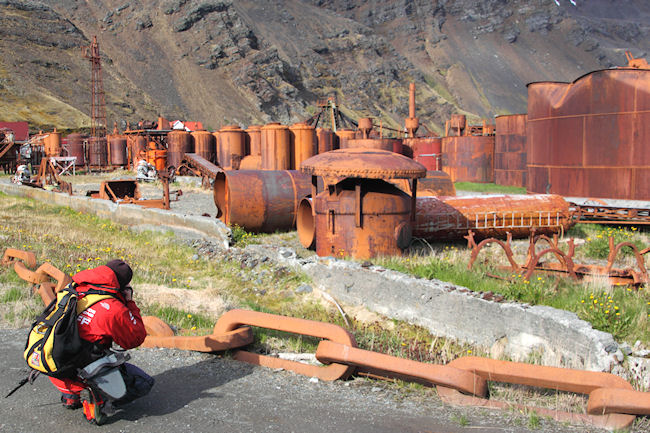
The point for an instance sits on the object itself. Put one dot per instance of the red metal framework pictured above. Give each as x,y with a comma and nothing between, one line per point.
98,102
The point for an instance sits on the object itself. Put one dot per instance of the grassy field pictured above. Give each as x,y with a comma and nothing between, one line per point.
488,188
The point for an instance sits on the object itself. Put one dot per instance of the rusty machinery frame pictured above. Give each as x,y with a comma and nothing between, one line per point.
200,167
48,175
602,213
565,263
106,192
612,403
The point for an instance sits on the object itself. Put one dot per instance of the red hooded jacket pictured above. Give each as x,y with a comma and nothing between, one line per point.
113,319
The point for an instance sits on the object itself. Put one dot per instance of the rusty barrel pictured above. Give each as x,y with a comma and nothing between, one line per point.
305,223
251,162
75,147
232,147
342,136
205,145
390,144
117,145
469,158
138,148
426,150
590,138
52,144
510,150
260,200
254,140
303,143
276,147
157,158
325,140
97,151
178,143
490,216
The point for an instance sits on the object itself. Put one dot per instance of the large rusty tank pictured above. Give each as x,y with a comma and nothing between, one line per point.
342,136
358,213
254,140
232,147
590,138
52,144
138,148
491,216
426,150
260,200
97,152
510,150
179,142
276,147
117,150
389,144
75,147
303,143
469,158
205,145
325,140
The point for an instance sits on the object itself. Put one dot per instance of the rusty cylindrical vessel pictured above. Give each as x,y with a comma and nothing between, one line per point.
325,140
97,152
232,147
427,151
117,144
342,136
75,147
205,145
254,140
510,150
590,138
179,142
435,184
276,147
138,148
389,144
469,158
303,143
306,223
490,216
52,144
260,200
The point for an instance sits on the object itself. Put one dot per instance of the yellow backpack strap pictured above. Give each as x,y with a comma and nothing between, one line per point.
88,300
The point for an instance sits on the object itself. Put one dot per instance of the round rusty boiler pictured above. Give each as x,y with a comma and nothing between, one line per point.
389,144
179,142
260,200
342,136
469,158
232,147
325,140
52,144
76,148
205,145
491,216
276,147
97,152
426,150
250,162
435,184
510,150
117,150
303,143
358,213
590,138
365,126
138,148
254,140
362,218
305,223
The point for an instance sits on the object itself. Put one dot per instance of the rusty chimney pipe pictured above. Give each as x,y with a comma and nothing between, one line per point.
412,100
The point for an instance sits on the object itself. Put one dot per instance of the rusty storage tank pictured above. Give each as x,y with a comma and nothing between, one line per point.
276,147
117,150
260,200
491,216
254,140
389,144
97,152
342,136
75,147
590,138
138,145
359,214
52,144
232,147
325,140
426,150
303,143
469,158
205,145
457,124
179,142
510,150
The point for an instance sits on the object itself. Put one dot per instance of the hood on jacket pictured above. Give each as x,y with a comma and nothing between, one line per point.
100,276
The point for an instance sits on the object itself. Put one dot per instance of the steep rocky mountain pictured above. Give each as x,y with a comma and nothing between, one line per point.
223,61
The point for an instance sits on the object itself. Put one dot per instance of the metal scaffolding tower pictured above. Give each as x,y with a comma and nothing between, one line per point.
98,102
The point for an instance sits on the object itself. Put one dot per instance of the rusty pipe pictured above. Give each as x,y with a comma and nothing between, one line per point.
305,223
260,200
412,100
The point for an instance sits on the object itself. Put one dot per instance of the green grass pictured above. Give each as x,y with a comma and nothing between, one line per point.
489,188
